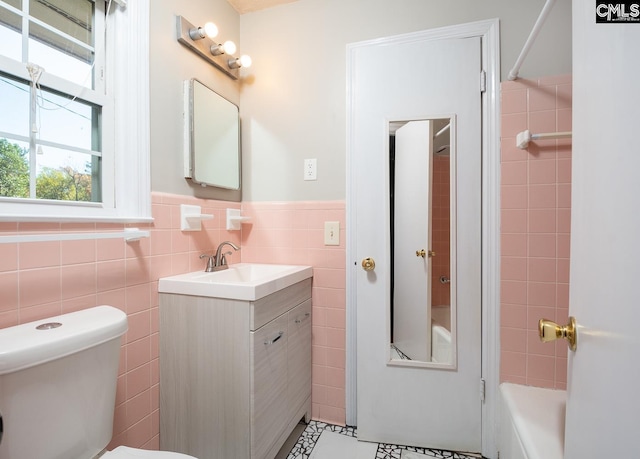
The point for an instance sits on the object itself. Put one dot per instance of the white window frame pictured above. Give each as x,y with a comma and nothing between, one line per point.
126,182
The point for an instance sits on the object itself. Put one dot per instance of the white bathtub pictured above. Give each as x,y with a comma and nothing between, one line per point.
440,344
441,314
531,422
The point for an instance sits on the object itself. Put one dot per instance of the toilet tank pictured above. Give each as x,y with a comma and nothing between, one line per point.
58,384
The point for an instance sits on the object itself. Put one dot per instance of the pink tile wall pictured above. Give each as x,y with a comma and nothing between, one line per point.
43,279
293,233
536,212
440,293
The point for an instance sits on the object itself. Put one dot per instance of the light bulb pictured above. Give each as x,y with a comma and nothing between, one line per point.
229,47
242,61
245,61
211,29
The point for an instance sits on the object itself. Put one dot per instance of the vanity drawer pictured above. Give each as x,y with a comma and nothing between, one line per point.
271,306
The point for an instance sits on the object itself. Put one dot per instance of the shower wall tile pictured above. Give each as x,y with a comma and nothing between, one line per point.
513,123
535,229
542,245
544,121
513,292
514,196
554,80
514,101
515,316
514,221
514,245
541,98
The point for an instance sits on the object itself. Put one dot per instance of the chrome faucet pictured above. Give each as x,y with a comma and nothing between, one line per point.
220,261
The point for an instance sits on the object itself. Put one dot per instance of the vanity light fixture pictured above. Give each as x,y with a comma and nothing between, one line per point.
200,41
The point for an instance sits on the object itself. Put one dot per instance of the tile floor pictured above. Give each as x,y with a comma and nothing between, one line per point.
308,439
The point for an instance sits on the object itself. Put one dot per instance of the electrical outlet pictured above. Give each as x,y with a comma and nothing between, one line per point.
331,233
310,169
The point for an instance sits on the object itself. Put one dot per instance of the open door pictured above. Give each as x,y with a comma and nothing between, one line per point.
603,401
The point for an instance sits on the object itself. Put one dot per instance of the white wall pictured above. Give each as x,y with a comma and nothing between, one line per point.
293,99
170,64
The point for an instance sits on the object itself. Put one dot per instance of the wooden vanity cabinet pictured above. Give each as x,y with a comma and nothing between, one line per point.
235,376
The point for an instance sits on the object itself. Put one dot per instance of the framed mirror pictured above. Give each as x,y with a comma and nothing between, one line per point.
422,199
212,138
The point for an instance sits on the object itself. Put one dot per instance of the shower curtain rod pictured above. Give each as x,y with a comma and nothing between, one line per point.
513,74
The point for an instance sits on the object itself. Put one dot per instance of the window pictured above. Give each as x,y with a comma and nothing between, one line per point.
74,110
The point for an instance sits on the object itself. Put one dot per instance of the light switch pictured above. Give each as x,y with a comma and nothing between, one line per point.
331,233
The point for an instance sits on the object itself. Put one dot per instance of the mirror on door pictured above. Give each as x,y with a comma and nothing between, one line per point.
422,215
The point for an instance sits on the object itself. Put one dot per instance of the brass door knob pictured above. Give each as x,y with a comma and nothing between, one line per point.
368,264
551,331
422,253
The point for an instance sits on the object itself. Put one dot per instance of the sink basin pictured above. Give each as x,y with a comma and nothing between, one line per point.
242,281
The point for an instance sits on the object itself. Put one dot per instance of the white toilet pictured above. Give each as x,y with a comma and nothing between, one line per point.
58,388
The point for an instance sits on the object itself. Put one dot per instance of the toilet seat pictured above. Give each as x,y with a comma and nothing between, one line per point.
124,452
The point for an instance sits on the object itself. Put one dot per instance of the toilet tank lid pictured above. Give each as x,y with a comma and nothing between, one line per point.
25,345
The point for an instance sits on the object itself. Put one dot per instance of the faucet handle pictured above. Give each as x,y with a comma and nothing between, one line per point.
223,259
210,261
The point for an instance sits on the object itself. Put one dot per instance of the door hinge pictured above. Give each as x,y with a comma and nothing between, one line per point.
483,81
482,389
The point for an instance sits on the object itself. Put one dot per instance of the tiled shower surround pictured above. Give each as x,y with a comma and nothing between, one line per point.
536,214
43,279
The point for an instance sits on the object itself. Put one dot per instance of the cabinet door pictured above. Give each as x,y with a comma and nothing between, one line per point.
299,348
269,405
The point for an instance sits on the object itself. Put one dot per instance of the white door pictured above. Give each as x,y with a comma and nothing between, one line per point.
603,405
411,330
399,79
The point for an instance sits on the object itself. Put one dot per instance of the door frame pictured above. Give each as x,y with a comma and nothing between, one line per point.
488,31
